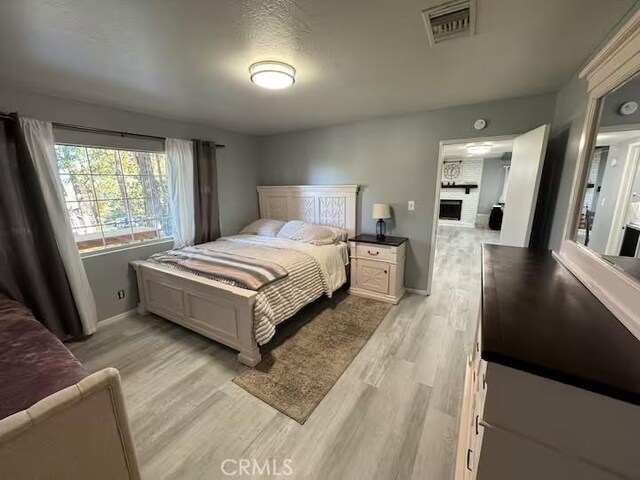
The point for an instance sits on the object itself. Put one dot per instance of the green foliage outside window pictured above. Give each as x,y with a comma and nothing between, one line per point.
114,197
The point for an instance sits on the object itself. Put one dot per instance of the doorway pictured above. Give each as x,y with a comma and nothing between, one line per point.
486,191
610,210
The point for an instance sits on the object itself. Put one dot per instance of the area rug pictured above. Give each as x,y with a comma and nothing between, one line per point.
311,351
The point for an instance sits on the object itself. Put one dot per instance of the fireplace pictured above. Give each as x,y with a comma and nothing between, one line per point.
450,209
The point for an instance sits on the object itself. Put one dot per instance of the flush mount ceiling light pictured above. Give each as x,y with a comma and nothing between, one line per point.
478,148
272,75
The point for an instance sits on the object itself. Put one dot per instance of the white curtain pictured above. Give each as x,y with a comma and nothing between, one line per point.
505,185
39,138
179,154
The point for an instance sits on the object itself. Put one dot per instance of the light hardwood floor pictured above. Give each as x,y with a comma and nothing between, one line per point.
393,414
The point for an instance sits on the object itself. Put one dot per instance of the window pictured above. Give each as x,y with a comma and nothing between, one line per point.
114,197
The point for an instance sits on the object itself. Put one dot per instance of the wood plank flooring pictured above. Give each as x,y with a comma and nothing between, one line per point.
392,415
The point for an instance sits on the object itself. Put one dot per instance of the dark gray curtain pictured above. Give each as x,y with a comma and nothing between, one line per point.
31,270
205,172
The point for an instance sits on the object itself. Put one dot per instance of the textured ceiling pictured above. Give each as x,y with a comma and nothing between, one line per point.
356,59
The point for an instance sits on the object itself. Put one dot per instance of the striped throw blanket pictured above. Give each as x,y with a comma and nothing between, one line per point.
311,271
244,272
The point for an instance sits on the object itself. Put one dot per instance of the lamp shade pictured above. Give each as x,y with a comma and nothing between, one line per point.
381,210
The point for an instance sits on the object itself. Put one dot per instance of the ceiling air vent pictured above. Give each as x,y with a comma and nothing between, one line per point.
450,20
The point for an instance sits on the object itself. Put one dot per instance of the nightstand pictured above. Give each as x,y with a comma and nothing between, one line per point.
377,267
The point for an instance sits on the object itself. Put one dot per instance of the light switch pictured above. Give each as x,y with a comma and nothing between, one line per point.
411,205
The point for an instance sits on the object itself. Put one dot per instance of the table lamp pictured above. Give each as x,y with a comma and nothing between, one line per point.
381,211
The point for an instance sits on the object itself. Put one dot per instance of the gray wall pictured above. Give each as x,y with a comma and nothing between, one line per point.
109,272
237,170
564,142
492,182
394,159
609,192
568,122
562,156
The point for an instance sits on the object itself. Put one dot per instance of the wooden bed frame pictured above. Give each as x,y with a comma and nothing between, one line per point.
225,313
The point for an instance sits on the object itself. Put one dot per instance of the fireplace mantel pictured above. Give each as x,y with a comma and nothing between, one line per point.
466,186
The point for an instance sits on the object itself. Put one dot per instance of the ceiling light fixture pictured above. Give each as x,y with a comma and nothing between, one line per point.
272,75
478,148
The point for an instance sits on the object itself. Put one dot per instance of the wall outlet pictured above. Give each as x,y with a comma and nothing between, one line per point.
411,205
121,294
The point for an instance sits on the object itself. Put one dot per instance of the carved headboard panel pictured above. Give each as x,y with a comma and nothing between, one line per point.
333,205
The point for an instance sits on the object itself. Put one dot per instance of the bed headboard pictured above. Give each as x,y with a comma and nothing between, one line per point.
333,205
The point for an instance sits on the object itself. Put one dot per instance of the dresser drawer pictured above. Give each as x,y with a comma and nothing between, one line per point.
376,252
506,456
577,422
372,276
464,456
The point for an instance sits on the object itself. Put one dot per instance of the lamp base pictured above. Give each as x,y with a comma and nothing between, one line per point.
380,229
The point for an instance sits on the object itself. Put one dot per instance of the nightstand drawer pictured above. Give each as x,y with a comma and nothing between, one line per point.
372,276
377,267
375,252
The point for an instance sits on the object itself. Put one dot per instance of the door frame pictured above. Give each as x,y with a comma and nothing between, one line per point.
438,181
614,241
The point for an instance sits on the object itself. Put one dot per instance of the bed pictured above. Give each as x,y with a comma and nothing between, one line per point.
241,318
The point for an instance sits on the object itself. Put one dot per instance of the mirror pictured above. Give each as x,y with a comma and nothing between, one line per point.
609,217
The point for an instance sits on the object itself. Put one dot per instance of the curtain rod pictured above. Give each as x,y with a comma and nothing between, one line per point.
106,131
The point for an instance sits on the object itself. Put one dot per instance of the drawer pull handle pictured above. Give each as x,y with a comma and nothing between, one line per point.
469,452
373,253
385,271
484,381
477,425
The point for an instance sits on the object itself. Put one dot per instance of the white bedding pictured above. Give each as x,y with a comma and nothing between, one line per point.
320,270
331,258
344,251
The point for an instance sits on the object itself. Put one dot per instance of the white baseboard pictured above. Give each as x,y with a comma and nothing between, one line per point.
119,316
417,291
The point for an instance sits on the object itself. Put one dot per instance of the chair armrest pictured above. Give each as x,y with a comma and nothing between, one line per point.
81,431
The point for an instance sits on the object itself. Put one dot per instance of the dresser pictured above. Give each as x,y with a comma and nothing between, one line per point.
552,386
377,267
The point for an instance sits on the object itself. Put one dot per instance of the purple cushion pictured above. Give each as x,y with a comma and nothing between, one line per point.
33,362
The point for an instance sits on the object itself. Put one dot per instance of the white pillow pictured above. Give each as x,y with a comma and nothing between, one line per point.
339,235
264,226
306,232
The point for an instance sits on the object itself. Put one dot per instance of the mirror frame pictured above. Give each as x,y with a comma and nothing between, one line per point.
617,62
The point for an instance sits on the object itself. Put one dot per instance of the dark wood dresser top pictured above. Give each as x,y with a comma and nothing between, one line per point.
537,317
388,240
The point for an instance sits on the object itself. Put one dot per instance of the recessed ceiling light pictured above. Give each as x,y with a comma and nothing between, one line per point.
272,75
478,148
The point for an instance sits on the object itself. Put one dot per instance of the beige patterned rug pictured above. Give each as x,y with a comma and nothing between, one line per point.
310,352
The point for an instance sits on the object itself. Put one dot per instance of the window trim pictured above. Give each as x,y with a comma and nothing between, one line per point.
126,246
133,244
